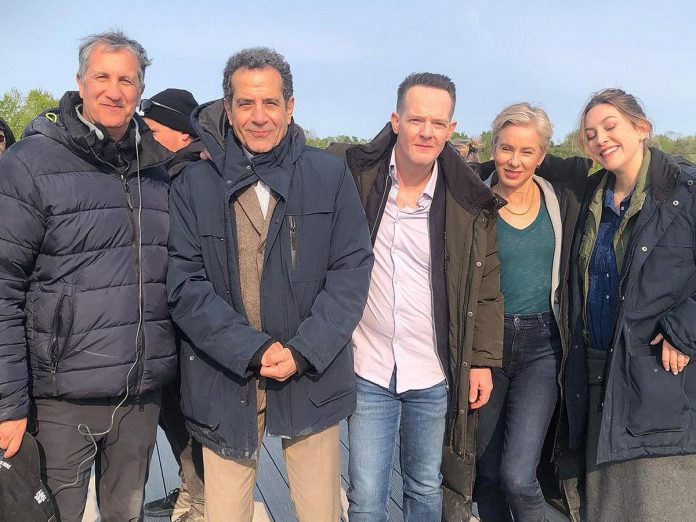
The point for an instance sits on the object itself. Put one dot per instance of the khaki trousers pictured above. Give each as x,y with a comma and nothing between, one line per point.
314,473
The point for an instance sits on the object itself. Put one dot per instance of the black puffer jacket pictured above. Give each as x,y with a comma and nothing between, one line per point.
70,264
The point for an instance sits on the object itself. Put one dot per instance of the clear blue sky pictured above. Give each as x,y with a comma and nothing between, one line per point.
349,57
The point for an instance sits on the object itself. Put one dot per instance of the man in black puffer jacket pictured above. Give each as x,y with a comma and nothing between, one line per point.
85,337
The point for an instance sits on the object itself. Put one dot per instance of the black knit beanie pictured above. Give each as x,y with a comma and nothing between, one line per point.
172,108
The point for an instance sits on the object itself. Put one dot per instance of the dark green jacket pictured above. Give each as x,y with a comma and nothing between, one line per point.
468,304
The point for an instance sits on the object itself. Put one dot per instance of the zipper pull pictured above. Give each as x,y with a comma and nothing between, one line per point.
293,242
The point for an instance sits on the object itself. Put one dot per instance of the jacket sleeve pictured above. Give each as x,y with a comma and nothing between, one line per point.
210,322
339,305
21,234
679,326
487,350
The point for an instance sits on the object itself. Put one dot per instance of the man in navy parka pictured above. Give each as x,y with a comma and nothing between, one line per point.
269,268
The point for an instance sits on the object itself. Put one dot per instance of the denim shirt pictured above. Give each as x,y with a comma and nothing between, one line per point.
604,271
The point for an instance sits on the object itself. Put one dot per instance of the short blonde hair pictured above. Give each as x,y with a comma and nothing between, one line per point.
627,104
524,114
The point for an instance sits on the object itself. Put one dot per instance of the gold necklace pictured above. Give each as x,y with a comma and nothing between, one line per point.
531,204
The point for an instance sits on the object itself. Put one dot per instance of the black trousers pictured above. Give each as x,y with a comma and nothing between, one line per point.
121,461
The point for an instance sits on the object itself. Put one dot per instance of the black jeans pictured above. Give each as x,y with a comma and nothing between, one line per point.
513,425
122,459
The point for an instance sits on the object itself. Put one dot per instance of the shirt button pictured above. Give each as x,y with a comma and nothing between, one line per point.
462,412
644,248
470,314
478,263
191,357
229,181
607,296
577,395
248,167
465,364
622,208
675,202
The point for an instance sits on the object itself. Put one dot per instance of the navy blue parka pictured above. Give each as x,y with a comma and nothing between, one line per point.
646,410
312,304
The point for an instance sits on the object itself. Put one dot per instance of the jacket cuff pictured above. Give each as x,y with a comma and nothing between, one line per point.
301,362
255,362
478,361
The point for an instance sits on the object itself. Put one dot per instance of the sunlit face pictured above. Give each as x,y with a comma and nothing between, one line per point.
110,89
423,126
170,139
258,113
517,154
614,140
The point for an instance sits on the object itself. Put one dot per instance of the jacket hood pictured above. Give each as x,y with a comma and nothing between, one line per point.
210,122
184,157
464,184
64,126
9,137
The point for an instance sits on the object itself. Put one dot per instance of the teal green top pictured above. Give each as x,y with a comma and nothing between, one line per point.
526,263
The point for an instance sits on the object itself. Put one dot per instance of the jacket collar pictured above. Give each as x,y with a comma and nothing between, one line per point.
464,185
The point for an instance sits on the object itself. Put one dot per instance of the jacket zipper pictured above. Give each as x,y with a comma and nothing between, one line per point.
139,340
293,241
55,356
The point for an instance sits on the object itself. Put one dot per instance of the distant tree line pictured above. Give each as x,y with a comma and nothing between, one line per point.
18,110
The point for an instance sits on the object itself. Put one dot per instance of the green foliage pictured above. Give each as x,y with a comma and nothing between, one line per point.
18,110
675,143
315,141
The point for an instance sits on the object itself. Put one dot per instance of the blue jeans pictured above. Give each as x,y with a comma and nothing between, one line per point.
417,417
512,426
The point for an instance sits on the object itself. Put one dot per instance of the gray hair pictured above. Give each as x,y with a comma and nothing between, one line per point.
524,114
426,79
257,58
113,41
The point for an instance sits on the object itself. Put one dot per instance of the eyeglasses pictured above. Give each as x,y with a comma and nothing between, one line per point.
146,105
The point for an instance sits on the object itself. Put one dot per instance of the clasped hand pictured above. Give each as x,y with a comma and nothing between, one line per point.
278,363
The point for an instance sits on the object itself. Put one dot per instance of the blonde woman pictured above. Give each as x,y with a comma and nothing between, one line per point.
534,238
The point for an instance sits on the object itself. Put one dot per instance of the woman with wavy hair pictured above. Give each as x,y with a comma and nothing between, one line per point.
630,392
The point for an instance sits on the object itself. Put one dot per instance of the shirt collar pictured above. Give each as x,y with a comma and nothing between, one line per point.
429,190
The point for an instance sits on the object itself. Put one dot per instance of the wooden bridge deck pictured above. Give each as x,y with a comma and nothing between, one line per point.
271,492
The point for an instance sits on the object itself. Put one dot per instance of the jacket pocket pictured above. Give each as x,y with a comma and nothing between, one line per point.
61,331
199,389
337,381
657,401
309,239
